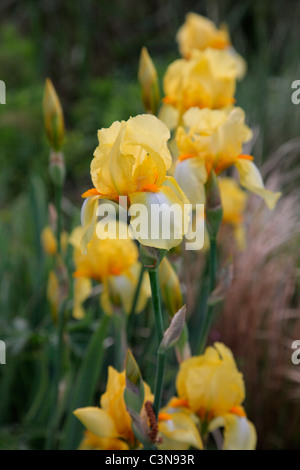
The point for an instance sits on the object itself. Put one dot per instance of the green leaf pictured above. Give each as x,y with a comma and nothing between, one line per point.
85,385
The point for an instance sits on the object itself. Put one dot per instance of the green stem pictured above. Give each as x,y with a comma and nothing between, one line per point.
58,198
209,317
57,376
161,356
131,316
137,292
120,339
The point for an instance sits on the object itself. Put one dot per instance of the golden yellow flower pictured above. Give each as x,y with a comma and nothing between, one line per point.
213,388
112,262
211,383
213,139
132,160
206,80
233,203
111,421
104,258
93,442
199,33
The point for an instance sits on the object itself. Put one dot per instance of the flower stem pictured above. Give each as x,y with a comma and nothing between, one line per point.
57,376
58,198
120,339
209,317
137,292
161,356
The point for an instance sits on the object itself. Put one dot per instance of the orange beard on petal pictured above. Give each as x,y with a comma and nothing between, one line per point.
239,411
150,188
185,156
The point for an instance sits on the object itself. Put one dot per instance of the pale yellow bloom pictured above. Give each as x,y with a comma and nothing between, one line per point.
214,389
206,80
111,421
199,33
233,203
114,263
178,427
213,139
132,160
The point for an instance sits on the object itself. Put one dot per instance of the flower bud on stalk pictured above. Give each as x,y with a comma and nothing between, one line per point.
147,76
53,117
170,287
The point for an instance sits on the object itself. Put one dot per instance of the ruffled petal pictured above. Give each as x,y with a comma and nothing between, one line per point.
191,175
251,179
179,433
88,220
239,432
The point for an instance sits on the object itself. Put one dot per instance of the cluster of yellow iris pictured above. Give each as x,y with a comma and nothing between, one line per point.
210,393
135,159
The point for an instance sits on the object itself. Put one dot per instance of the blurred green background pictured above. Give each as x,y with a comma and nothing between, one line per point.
90,49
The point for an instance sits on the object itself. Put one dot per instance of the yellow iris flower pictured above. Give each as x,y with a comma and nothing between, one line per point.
178,427
206,80
200,33
233,203
213,139
111,422
112,262
213,388
132,160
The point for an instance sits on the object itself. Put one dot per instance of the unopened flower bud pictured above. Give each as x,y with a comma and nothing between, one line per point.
147,76
170,287
53,116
